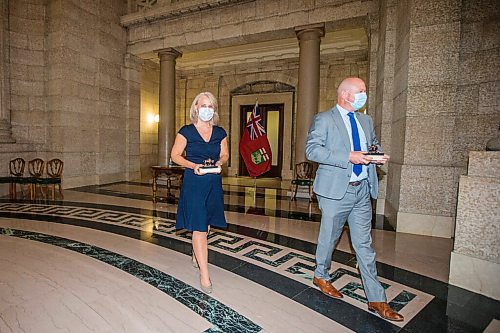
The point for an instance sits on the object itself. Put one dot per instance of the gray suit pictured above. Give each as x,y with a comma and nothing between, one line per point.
328,143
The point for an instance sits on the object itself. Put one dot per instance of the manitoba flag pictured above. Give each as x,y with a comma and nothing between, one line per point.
254,145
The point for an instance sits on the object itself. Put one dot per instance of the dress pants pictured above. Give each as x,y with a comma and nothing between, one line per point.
355,208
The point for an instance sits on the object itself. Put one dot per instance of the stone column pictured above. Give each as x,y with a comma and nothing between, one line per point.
308,87
166,126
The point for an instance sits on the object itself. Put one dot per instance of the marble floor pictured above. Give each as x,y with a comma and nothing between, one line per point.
108,259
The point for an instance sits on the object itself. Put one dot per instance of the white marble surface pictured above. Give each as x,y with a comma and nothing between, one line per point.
477,275
493,327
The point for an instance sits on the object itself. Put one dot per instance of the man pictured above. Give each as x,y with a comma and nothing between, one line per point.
346,178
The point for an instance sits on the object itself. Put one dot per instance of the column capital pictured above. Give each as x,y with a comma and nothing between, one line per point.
310,31
168,54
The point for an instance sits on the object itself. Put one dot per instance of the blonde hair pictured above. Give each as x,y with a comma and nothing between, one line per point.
193,112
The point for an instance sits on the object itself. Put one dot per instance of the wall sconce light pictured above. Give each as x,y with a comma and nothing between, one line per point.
153,118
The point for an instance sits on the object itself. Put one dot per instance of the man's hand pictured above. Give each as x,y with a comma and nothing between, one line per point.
359,157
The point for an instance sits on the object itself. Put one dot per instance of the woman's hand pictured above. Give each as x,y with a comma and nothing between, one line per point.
196,169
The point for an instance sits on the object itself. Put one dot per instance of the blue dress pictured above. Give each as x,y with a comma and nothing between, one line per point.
201,200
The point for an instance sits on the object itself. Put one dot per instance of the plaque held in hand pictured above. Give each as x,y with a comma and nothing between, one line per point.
374,153
209,167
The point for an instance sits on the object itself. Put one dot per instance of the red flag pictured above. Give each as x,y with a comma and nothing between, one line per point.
254,145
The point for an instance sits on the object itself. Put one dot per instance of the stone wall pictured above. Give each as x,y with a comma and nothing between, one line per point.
74,93
22,83
27,72
87,102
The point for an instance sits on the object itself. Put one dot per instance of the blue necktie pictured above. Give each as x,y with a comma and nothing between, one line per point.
357,168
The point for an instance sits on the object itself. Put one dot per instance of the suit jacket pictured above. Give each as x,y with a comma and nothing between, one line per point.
328,143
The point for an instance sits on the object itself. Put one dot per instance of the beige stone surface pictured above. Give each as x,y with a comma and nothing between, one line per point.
427,140
478,218
484,164
429,190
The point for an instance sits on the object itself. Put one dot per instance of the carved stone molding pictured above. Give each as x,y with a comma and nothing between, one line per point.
141,11
262,87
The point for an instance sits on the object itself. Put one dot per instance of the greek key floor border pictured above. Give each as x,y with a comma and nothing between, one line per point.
293,264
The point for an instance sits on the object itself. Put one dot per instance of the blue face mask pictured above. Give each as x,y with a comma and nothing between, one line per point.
206,113
359,100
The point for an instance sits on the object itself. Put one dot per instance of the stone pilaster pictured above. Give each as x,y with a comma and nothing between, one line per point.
475,260
381,98
166,126
132,104
308,85
5,127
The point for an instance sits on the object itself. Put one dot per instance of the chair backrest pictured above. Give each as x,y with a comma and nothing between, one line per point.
55,168
304,170
35,167
16,167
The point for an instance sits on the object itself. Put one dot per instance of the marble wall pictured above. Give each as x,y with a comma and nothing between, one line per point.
475,260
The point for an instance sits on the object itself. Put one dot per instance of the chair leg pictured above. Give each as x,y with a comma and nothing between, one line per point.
295,193
310,194
60,191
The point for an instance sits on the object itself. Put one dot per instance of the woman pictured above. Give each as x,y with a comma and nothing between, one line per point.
201,201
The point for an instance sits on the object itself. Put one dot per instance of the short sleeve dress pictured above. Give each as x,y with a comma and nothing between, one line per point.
201,200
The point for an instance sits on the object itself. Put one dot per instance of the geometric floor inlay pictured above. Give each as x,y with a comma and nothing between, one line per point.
293,264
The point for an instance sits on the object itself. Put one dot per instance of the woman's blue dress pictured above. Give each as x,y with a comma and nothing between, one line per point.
201,200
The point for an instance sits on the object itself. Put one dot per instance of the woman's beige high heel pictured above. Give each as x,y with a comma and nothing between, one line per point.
206,289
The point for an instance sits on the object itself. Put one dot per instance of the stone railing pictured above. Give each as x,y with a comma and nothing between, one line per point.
149,10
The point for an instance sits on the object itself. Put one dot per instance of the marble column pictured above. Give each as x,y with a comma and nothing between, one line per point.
166,126
308,87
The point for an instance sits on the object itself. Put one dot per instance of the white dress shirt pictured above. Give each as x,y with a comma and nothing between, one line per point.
362,140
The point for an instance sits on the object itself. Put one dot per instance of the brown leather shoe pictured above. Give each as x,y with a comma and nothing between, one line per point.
327,288
384,310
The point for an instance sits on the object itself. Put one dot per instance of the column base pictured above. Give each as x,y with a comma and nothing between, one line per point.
427,225
477,275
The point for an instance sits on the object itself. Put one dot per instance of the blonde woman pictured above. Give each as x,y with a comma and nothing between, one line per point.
201,200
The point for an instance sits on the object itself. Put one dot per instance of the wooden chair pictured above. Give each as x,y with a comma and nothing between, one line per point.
54,177
16,172
303,177
35,169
